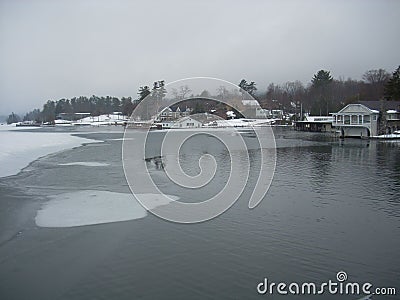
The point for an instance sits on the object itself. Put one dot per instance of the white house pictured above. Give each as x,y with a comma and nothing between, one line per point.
173,113
187,122
368,118
356,120
250,102
277,113
392,120
262,113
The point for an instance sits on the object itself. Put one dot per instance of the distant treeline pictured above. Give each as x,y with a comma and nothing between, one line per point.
322,95
94,105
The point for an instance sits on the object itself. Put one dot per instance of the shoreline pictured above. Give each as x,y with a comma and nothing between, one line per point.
27,147
20,203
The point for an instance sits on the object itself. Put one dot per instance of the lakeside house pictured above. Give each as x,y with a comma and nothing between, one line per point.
187,122
356,120
173,113
367,118
315,124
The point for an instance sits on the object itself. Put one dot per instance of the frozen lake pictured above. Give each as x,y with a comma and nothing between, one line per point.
333,205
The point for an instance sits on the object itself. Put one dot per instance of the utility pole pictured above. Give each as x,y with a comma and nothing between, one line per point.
301,111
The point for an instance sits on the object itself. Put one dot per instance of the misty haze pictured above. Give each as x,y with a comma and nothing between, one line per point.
199,149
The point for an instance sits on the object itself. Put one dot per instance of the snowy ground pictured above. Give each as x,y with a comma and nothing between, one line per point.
388,136
102,120
241,123
19,148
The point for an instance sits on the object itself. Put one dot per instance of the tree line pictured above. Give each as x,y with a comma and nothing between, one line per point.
94,105
322,95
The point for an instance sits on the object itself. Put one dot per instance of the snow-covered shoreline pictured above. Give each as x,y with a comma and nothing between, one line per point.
19,148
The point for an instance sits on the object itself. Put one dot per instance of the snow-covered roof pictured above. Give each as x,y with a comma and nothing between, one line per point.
356,108
241,123
58,121
392,111
186,119
250,102
166,109
318,119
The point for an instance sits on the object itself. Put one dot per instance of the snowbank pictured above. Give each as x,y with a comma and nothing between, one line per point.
101,120
12,127
387,136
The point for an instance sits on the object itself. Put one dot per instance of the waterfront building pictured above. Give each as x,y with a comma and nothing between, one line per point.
315,124
367,118
187,122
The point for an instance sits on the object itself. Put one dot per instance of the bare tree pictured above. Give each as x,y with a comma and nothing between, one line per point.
375,81
376,76
183,91
175,93
222,92
294,90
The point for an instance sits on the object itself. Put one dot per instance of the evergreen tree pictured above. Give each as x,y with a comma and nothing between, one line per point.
126,106
144,91
159,90
392,87
321,79
248,87
13,118
116,104
320,90
49,111
33,115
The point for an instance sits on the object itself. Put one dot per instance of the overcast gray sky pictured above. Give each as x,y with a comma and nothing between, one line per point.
61,48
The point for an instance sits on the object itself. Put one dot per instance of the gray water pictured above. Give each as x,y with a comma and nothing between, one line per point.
333,205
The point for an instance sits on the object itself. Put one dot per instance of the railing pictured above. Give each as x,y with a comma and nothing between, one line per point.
348,124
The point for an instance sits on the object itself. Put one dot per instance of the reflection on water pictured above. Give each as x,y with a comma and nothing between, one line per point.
333,205
156,162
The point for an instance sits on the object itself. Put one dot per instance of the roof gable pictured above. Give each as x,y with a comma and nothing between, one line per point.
356,108
382,105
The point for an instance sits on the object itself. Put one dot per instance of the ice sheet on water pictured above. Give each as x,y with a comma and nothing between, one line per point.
12,127
85,164
18,149
121,139
90,207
